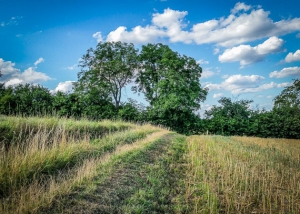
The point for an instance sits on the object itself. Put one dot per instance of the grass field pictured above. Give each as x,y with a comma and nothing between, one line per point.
243,175
50,165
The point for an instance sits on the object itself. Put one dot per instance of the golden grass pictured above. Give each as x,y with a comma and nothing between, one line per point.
243,175
13,130
33,157
290,147
32,169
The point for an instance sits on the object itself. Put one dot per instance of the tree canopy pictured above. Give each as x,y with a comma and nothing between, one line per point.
108,69
171,84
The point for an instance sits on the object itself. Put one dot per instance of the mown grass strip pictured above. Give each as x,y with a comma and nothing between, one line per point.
18,167
162,189
115,180
42,193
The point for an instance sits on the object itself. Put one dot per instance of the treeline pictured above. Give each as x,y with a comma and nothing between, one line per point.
170,84
237,118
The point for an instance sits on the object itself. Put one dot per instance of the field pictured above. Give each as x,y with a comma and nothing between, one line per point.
50,165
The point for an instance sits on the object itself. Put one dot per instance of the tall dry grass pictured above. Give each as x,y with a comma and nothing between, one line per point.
14,130
243,175
34,171
41,193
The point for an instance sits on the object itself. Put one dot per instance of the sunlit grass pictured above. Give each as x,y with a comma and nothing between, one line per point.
46,156
20,164
243,175
13,130
41,192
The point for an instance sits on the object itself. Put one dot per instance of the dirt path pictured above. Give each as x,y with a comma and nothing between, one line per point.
145,180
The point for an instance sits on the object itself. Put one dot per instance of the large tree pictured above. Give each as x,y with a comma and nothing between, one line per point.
108,69
171,85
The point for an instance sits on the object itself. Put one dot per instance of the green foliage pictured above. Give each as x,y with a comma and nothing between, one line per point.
287,111
230,118
108,69
132,111
25,99
289,97
236,118
7,104
170,83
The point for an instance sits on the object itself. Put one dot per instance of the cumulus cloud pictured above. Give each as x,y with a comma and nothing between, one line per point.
292,57
286,72
238,84
240,26
98,36
246,54
64,87
14,76
137,35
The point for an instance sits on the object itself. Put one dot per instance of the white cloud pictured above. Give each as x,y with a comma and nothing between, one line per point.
286,72
137,35
30,75
246,54
239,7
7,67
98,36
284,84
39,61
217,95
202,62
292,57
72,67
238,84
240,26
14,76
207,74
65,87
172,22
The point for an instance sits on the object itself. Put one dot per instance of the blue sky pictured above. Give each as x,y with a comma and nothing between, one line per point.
247,49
